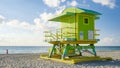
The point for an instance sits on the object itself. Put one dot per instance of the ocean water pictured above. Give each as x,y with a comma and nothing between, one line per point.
23,49
107,48
44,49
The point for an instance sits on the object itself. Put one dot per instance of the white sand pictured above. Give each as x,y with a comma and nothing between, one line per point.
33,61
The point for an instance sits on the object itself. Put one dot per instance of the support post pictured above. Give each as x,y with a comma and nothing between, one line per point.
64,51
51,51
93,49
80,53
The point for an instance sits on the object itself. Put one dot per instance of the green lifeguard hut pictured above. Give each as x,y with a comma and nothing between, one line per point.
77,27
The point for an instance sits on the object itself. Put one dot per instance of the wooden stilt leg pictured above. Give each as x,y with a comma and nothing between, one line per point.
51,51
64,52
80,53
93,49
94,52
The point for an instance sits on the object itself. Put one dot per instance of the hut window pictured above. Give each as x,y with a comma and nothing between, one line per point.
86,20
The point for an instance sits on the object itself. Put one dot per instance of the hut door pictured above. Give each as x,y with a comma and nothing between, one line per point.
90,35
81,35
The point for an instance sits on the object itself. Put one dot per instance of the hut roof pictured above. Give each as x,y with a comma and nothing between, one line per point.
80,10
72,12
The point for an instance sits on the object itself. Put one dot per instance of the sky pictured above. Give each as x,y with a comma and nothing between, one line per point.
22,22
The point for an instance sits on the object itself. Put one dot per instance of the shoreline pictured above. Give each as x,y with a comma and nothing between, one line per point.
47,52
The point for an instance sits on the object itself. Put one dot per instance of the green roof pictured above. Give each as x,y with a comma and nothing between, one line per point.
63,15
80,10
73,11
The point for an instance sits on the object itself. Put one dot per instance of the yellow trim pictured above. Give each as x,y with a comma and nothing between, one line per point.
88,15
75,60
97,34
77,30
97,30
74,42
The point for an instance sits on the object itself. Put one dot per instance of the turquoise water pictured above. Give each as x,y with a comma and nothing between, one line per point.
23,49
107,48
42,49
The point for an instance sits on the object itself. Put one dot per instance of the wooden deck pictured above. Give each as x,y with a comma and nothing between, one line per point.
74,42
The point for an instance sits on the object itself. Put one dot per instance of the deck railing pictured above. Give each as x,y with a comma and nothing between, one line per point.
58,35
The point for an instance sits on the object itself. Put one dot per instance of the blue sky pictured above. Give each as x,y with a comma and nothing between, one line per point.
22,22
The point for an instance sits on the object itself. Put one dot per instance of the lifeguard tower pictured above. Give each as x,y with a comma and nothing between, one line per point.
77,27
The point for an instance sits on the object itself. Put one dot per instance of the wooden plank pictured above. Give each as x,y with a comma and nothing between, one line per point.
73,42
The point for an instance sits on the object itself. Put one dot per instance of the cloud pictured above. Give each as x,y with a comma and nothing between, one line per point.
18,24
110,40
42,21
15,32
13,23
107,39
1,18
60,9
45,16
26,25
73,3
39,24
80,3
63,0
53,3
109,3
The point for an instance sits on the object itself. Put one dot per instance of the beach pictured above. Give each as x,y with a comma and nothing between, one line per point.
32,60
